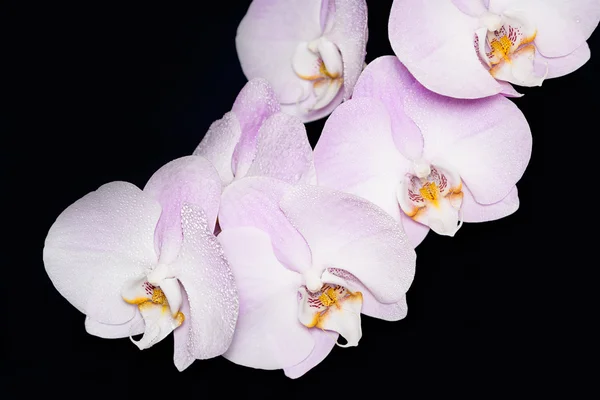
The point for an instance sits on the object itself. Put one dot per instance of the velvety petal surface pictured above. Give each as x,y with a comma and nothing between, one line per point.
488,141
283,151
348,232
267,38
190,179
219,143
99,243
356,153
435,40
324,343
254,202
349,33
204,273
472,211
560,66
268,334
388,81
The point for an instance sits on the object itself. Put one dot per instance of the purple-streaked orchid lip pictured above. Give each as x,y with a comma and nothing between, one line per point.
134,261
473,49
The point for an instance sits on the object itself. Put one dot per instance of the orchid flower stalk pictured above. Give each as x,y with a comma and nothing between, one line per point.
477,48
310,51
146,261
308,261
430,161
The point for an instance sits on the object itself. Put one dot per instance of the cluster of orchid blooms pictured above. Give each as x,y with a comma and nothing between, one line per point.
259,249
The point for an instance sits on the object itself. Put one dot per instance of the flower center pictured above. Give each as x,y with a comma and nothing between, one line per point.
158,304
505,45
319,62
433,199
332,307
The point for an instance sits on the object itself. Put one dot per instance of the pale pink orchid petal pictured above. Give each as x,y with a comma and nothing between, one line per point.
190,179
474,8
115,331
255,138
98,243
415,231
209,286
254,201
383,80
435,40
472,211
268,334
324,342
219,144
311,51
562,26
350,233
267,38
560,66
283,151
487,142
349,32
356,153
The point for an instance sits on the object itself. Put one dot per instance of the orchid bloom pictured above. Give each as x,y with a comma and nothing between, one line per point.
476,48
145,261
430,161
308,260
256,138
311,51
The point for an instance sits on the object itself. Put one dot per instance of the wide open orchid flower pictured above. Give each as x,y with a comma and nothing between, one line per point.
311,51
308,260
430,161
145,261
256,139
472,48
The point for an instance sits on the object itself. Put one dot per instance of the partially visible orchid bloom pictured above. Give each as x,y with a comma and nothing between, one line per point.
311,51
430,161
256,139
307,261
476,48
146,261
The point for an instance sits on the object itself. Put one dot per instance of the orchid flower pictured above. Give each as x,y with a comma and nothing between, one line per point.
311,51
307,261
255,138
145,261
476,48
430,161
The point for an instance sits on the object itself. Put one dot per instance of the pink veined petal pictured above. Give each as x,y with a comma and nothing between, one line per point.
415,231
387,80
324,343
190,179
435,41
472,211
560,66
488,141
562,26
349,32
255,103
356,154
268,334
474,8
219,143
283,151
350,233
99,243
209,286
267,38
254,201
109,331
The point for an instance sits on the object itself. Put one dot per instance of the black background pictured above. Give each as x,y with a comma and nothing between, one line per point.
97,93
